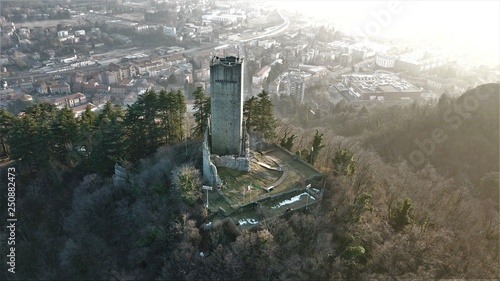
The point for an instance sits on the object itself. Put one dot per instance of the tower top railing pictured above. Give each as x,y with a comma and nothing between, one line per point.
231,60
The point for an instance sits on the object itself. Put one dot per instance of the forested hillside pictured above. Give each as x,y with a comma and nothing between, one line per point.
44,136
457,136
385,214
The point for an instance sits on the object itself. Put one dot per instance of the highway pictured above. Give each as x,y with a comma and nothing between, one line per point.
271,32
234,39
238,40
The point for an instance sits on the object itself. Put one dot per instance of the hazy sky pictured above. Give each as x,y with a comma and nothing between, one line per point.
471,27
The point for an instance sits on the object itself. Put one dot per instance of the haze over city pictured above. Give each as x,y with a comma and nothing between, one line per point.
460,27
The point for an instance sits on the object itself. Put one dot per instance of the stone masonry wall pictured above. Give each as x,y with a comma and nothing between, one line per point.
210,174
232,162
226,107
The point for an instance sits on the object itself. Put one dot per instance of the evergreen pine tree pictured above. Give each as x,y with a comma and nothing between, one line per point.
179,115
64,135
343,163
287,141
249,112
148,106
202,111
43,114
170,125
317,145
163,108
85,136
108,146
6,124
21,140
264,119
135,128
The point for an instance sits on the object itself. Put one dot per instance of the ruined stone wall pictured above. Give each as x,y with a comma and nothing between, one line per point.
256,140
120,176
232,162
210,174
211,162
226,94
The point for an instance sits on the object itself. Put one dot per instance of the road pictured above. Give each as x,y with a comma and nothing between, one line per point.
235,39
238,40
280,28
272,32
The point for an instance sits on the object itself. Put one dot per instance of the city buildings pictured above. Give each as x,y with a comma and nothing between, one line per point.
170,31
70,100
261,75
304,59
381,86
385,60
296,85
417,62
59,88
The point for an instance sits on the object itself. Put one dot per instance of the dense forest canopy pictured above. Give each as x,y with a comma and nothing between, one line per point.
412,193
45,136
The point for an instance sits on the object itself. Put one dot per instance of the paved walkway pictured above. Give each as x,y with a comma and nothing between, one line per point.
267,166
280,180
280,169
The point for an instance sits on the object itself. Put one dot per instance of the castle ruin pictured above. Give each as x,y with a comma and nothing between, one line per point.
225,143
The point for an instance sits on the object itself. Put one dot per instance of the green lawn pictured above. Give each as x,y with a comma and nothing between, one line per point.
285,158
215,200
305,170
236,181
292,180
281,155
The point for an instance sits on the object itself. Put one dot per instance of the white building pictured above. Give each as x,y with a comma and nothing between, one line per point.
224,18
385,61
296,85
62,34
70,100
261,75
169,31
141,28
68,59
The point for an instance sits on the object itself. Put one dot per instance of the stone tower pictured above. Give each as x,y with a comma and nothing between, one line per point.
226,94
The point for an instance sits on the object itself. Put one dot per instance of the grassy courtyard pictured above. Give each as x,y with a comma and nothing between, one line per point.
291,175
237,181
